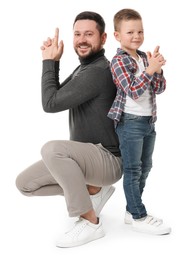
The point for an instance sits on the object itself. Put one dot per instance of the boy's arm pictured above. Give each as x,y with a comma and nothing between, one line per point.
123,74
158,83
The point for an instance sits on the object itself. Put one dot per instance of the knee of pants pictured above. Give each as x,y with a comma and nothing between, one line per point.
146,170
20,184
51,148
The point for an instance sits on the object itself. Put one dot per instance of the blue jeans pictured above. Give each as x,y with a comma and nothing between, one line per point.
137,138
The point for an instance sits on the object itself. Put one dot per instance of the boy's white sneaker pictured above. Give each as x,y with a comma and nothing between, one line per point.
99,199
81,233
128,218
151,225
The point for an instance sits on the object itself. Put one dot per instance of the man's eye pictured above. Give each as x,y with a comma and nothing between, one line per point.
89,34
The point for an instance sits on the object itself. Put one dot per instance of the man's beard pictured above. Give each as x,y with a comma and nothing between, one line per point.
91,53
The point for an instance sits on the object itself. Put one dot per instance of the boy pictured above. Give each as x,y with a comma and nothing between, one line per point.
138,78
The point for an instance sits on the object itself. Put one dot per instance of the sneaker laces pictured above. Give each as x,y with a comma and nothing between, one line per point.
77,228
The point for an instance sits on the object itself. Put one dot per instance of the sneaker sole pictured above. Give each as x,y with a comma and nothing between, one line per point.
159,232
104,200
79,243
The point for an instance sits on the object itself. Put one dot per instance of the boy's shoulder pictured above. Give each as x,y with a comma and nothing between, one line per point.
141,53
124,54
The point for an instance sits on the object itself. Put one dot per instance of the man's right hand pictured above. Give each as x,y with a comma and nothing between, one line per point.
52,49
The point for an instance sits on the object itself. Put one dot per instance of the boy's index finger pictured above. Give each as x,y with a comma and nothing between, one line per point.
157,49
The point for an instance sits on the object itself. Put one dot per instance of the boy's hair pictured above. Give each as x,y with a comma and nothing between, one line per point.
125,14
87,15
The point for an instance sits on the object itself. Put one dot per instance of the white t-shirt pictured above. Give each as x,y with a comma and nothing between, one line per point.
142,106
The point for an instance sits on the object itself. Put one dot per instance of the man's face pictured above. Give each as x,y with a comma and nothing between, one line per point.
87,39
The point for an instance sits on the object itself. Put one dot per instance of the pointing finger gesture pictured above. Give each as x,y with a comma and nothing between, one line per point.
52,49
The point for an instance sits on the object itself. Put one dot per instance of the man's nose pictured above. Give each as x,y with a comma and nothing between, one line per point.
82,38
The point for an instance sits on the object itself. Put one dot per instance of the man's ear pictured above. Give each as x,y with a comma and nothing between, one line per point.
103,38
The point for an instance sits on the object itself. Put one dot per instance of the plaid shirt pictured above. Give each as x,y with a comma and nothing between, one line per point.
123,68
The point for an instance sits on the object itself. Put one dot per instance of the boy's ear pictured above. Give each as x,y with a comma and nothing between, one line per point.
117,36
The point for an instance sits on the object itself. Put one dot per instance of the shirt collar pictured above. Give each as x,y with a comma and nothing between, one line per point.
92,58
122,52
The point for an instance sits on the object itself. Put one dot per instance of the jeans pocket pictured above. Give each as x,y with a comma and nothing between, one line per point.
125,118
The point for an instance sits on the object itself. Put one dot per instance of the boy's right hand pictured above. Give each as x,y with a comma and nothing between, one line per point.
156,61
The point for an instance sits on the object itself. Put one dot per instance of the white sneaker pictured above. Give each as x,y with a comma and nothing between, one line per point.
82,232
99,199
128,218
151,225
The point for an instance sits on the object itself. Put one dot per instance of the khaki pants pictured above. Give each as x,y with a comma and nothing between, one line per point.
66,168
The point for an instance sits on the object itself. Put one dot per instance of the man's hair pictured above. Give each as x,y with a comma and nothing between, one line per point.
125,14
87,15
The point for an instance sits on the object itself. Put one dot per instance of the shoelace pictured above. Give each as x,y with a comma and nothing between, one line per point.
77,228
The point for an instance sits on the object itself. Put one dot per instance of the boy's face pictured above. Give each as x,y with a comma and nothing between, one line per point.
87,39
130,35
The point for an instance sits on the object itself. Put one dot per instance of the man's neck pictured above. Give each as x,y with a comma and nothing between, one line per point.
92,57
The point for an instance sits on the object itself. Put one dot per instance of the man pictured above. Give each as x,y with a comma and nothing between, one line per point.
83,168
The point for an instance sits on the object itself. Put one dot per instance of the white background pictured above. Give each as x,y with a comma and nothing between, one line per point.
30,226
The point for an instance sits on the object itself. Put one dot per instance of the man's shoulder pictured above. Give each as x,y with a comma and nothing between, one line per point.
101,63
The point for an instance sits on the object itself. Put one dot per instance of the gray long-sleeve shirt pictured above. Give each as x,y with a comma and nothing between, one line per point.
88,93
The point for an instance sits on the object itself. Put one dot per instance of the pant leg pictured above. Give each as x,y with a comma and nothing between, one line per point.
147,154
131,154
132,132
74,165
36,180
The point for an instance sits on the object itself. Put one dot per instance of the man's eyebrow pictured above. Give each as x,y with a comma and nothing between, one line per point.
84,31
